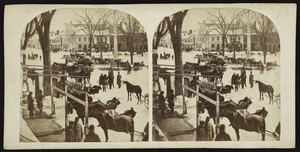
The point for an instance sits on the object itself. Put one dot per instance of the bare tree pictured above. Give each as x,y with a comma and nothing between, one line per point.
42,25
263,27
161,31
89,21
223,20
29,32
130,27
175,27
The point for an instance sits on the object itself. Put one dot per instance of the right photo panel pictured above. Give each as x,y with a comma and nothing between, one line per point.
216,76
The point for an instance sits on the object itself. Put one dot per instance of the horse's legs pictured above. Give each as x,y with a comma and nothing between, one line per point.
270,98
105,132
128,95
237,133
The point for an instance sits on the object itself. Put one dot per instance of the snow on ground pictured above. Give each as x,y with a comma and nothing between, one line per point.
271,77
139,77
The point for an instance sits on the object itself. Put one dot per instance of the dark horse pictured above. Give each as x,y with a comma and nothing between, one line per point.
119,123
228,109
133,89
265,88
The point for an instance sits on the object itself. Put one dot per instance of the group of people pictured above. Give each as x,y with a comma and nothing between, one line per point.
105,80
162,105
205,132
237,80
74,133
30,103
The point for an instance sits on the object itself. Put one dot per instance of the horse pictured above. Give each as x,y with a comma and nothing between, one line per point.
252,123
133,89
244,104
112,104
265,88
229,109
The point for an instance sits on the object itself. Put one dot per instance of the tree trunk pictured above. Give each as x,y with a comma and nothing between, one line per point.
223,44
47,63
91,38
131,55
178,61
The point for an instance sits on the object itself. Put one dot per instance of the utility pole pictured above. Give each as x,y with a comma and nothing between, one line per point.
115,37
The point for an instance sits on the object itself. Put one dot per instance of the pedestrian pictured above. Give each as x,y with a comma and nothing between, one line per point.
209,129
92,136
236,82
261,67
171,101
70,132
251,77
162,105
128,68
222,136
78,133
172,57
101,79
201,135
119,77
39,101
233,79
30,105
104,82
110,80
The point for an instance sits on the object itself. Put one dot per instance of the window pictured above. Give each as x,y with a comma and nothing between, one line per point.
79,46
212,38
84,39
212,45
218,38
79,39
238,38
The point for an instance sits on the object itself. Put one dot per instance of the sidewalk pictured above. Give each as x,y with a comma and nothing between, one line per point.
43,127
174,128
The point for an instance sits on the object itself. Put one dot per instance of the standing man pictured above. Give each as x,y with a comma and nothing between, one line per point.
162,105
30,105
70,132
251,77
78,131
92,136
232,79
39,100
104,83
110,80
119,77
171,101
201,135
223,136
209,129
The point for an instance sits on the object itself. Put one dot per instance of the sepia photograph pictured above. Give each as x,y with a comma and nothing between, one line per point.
216,76
84,77
149,76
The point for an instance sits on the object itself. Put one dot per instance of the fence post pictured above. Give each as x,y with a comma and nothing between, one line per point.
197,110
183,97
52,102
217,109
86,110
66,114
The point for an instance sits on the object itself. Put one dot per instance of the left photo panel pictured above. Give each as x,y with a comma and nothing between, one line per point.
84,77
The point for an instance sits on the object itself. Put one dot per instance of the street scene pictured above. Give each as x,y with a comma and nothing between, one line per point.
84,77
216,76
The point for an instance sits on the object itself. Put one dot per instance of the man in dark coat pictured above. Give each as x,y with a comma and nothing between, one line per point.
78,132
39,100
232,79
70,137
201,134
162,105
209,129
251,78
110,80
30,105
171,101
223,136
119,77
92,136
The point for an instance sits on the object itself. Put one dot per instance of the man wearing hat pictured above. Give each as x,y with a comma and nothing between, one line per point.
222,136
162,105
92,136
171,100
30,105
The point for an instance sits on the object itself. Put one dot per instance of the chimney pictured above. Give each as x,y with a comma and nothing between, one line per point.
57,32
191,31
